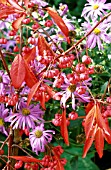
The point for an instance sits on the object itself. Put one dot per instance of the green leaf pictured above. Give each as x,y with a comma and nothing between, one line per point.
104,87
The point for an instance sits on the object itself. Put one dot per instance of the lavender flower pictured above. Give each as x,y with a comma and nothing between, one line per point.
4,81
98,36
27,116
63,9
40,3
3,115
39,138
95,8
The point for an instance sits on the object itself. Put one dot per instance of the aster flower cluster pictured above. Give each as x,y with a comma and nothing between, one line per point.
93,11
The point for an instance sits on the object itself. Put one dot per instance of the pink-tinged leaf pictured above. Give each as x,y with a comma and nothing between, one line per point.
44,48
17,71
26,2
58,20
63,127
99,142
32,92
30,78
25,158
42,100
15,5
16,24
30,55
100,121
89,141
89,121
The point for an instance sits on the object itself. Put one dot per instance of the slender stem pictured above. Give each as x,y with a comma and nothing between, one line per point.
4,63
5,142
106,89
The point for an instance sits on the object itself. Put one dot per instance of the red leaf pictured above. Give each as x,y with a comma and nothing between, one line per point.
26,2
64,131
100,121
30,78
58,20
49,90
17,71
42,101
16,24
32,92
59,165
25,158
89,141
108,137
30,55
89,107
3,1
15,5
99,142
44,48
89,121
5,12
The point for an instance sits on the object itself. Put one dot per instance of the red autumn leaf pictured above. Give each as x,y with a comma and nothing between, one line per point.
58,20
32,92
30,55
16,24
89,107
100,121
44,48
89,121
59,165
108,137
89,141
64,130
5,12
26,2
25,158
42,100
49,90
3,1
15,5
17,71
30,78
99,142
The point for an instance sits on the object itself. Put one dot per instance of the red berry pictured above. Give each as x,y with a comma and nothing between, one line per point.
1,151
73,115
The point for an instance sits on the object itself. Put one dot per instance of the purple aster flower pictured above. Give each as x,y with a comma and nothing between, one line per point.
3,115
40,3
63,9
72,91
95,8
39,137
27,116
98,36
4,81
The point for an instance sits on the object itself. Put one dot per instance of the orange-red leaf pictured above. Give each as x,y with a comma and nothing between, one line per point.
42,100
30,55
16,24
32,92
5,12
15,5
30,78
89,141
44,48
49,90
64,130
3,1
89,121
58,20
17,71
99,142
100,121
25,158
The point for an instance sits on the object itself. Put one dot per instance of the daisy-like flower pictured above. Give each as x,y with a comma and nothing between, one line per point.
95,8
3,115
4,81
27,116
73,91
63,9
98,36
39,137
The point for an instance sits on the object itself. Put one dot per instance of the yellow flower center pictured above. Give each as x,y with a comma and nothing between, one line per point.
96,6
25,111
72,87
1,122
38,133
1,80
97,31
62,7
